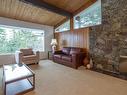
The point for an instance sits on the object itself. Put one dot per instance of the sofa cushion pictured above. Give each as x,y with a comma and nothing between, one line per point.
66,50
75,50
30,57
27,51
67,58
57,55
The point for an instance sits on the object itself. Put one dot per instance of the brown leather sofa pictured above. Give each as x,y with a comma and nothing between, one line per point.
70,56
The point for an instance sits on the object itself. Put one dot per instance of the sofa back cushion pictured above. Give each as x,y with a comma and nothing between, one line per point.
75,50
66,50
27,52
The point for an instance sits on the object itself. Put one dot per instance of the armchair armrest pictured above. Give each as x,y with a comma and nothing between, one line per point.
18,56
37,53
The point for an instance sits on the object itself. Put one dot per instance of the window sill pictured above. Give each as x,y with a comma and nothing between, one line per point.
7,54
14,53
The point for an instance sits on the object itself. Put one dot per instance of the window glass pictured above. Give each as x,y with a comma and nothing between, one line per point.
63,27
12,39
89,17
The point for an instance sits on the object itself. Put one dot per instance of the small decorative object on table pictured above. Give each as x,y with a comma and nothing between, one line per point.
88,66
88,63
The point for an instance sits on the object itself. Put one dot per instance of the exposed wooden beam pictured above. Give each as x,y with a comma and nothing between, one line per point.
48,7
86,5
72,24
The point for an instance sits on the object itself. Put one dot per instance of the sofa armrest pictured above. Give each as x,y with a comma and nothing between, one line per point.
77,58
79,55
18,56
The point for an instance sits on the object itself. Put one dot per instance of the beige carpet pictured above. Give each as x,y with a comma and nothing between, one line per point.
56,79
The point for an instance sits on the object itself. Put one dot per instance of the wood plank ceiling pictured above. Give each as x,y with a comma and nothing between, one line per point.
68,5
18,10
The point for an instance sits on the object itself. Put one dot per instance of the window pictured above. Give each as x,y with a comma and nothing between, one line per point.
12,39
63,27
89,17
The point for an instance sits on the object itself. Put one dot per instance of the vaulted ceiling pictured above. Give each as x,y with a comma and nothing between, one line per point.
68,5
19,10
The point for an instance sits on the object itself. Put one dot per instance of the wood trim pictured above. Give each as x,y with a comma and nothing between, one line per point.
77,38
48,7
88,43
86,5
63,21
71,24
53,32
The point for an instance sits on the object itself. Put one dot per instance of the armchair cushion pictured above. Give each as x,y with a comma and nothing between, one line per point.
27,52
30,57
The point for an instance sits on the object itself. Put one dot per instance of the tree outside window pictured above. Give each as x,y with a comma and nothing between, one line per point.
12,39
89,17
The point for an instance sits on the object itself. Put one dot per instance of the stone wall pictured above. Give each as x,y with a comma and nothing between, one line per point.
109,38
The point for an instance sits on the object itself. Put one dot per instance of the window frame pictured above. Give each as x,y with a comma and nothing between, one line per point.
15,27
68,21
98,1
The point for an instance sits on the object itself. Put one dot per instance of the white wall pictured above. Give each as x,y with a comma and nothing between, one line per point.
6,59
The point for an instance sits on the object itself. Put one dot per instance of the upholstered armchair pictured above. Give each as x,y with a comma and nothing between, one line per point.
27,56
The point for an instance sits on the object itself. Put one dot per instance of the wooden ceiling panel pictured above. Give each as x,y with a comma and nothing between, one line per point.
25,12
18,10
68,5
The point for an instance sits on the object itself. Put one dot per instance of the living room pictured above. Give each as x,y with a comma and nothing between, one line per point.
63,47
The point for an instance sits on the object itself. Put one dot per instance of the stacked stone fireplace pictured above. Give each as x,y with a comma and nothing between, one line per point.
109,38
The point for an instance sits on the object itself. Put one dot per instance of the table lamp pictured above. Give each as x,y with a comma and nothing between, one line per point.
53,43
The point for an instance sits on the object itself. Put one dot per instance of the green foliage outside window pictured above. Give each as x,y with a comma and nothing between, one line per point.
14,39
63,27
89,17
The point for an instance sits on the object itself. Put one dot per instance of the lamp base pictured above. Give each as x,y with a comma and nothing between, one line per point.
53,48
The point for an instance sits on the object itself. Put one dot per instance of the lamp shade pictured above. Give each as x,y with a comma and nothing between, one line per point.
54,42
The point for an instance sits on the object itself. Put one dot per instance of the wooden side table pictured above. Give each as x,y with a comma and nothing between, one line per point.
50,56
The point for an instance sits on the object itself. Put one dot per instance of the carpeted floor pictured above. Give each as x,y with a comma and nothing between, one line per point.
56,79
